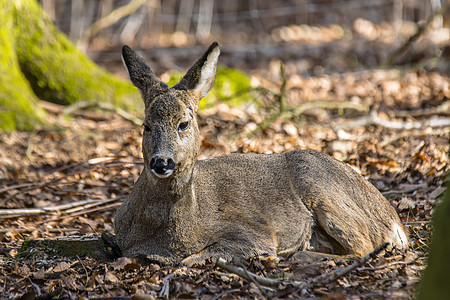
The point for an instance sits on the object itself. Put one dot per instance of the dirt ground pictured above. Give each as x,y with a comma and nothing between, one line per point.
70,178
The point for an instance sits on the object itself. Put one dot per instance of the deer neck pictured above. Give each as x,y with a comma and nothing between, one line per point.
169,192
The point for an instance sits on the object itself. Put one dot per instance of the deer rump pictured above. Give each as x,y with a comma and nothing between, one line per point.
238,205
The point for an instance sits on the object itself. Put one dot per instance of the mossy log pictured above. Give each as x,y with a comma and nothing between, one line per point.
37,61
101,248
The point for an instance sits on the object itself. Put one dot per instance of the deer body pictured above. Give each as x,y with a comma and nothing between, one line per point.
238,205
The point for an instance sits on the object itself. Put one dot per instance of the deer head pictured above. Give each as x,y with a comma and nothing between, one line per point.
171,136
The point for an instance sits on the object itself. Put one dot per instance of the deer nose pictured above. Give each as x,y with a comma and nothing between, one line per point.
162,167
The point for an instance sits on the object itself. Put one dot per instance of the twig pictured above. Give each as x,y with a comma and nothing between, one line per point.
315,282
373,119
35,286
328,278
409,134
257,284
223,293
7,213
401,191
112,205
442,109
285,112
88,211
27,185
329,104
282,95
266,123
165,288
104,106
422,29
391,264
249,276
110,19
92,166
290,112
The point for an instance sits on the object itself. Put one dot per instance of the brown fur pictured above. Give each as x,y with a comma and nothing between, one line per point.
239,205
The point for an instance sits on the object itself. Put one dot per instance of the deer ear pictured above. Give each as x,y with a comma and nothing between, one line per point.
141,75
200,77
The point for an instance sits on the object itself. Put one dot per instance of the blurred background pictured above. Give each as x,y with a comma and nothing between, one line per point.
310,36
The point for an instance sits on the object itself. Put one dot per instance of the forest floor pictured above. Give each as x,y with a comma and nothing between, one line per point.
402,148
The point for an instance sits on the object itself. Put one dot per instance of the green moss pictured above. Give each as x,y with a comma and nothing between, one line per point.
38,61
57,70
80,246
230,86
19,107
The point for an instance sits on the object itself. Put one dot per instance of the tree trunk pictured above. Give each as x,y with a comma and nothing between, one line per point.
18,104
38,61
436,280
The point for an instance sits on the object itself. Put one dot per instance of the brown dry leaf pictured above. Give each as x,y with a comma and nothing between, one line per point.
61,267
69,283
14,235
110,277
125,264
53,285
406,203
23,270
410,257
40,274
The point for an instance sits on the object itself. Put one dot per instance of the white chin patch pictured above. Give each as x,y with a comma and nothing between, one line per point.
165,175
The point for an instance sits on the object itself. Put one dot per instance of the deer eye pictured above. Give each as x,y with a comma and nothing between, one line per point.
146,128
183,126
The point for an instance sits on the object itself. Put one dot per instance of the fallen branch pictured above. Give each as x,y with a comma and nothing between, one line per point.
249,276
70,246
338,273
407,134
290,112
165,288
286,112
104,106
315,282
93,164
64,208
28,185
442,109
109,20
94,209
373,119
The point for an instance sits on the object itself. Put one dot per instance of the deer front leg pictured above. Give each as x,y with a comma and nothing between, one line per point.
236,251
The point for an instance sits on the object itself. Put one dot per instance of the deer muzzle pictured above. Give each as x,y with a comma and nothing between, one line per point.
161,166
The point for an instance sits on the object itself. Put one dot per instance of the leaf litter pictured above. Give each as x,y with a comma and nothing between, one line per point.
98,159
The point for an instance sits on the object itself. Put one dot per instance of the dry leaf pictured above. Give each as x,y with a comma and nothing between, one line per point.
406,203
125,264
110,277
61,267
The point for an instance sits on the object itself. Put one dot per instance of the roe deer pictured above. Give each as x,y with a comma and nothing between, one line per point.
238,205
